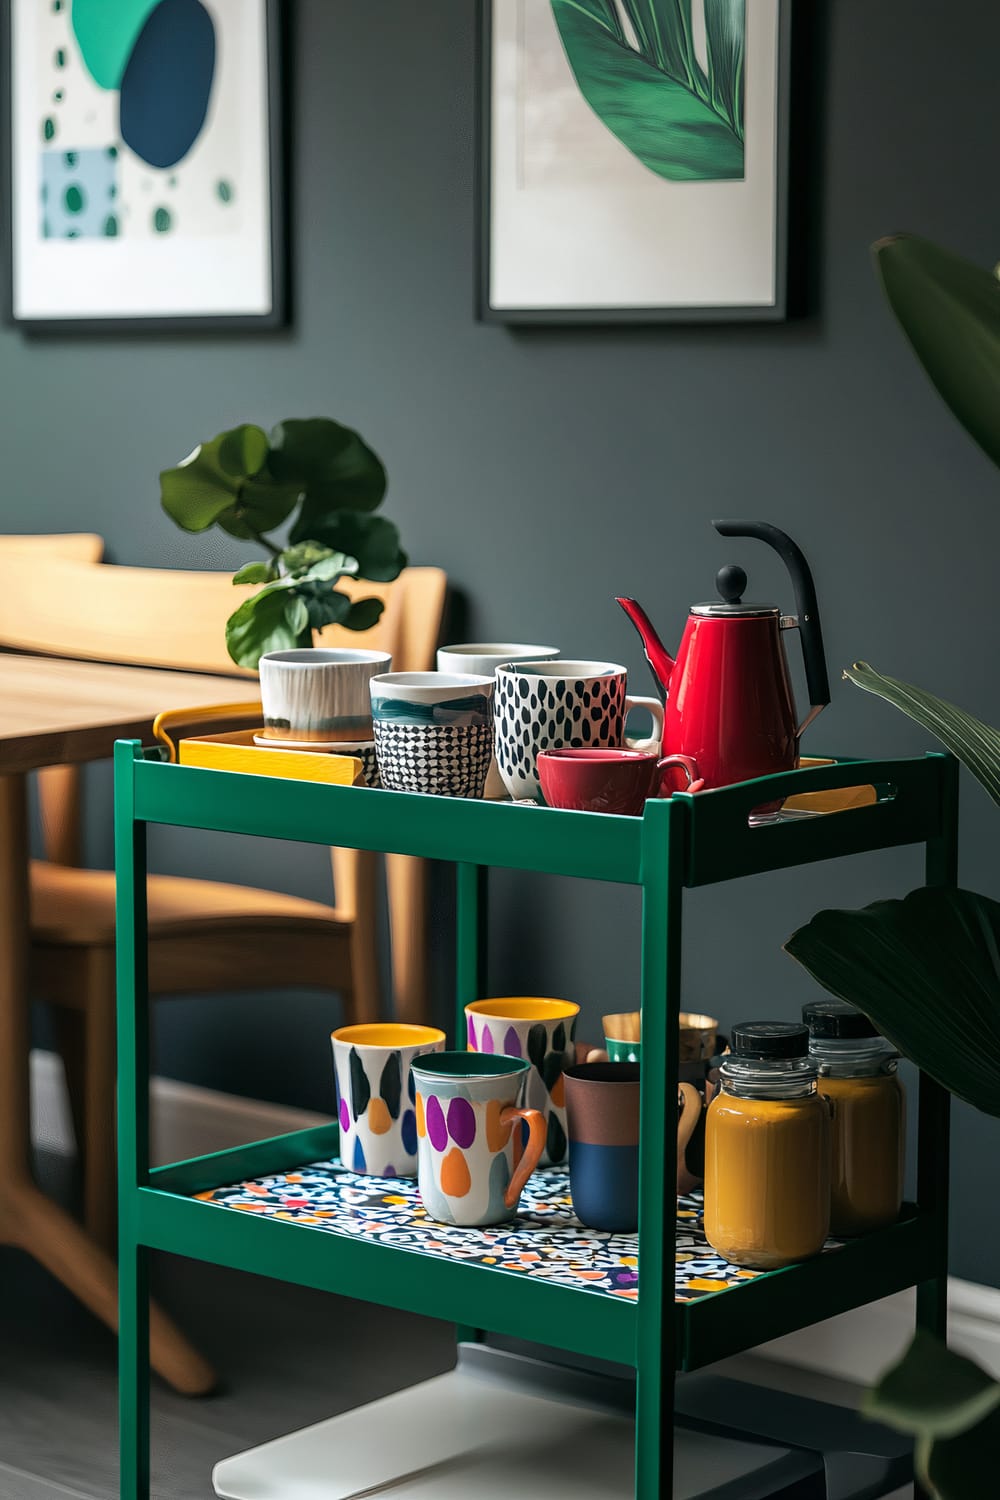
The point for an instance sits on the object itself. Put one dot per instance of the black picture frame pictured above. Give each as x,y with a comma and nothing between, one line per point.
777,311
276,21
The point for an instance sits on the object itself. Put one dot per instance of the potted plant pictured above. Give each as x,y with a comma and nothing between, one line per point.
323,479
901,961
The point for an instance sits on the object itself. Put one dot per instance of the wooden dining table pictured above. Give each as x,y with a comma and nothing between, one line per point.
58,712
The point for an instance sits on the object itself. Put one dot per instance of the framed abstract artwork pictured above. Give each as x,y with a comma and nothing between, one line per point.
142,164
633,160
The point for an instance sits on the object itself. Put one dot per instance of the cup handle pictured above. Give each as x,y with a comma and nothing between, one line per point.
655,710
690,1112
532,1151
690,768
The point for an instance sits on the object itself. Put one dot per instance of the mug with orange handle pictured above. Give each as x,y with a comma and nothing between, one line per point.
472,1159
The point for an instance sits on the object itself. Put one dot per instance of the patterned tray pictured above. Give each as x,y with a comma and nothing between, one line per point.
545,1240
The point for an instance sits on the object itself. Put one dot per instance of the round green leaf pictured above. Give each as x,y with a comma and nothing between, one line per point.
363,614
326,605
242,451
196,491
254,572
373,540
260,624
331,463
296,615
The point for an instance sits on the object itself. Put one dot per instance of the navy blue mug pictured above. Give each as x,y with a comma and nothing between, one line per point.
602,1110
602,1113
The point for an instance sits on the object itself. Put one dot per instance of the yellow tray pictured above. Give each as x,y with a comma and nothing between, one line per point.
236,751
827,802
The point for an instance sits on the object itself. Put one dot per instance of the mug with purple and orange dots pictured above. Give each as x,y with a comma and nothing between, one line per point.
376,1102
542,1031
473,1158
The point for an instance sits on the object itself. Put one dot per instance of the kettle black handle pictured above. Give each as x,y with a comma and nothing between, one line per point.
817,680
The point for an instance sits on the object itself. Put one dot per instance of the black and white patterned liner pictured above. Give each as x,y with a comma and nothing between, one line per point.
450,760
533,714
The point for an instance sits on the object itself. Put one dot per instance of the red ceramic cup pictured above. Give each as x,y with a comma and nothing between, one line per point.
609,781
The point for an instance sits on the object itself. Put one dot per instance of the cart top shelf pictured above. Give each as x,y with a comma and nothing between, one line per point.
721,842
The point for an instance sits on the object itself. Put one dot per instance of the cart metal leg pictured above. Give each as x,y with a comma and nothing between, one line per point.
133,1136
471,918
934,1102
662,895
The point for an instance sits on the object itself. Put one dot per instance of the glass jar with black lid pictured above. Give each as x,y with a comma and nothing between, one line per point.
767,1150
857,1073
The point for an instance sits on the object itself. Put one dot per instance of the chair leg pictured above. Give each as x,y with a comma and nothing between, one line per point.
363,1003
99,1154
71,1043
406,888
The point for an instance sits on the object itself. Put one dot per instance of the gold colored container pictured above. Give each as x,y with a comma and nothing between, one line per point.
767,1151
857,1073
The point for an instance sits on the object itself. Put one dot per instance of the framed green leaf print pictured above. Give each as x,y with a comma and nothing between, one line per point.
634,160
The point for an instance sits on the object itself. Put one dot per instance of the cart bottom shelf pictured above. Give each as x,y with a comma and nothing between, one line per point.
497,1426
545,1241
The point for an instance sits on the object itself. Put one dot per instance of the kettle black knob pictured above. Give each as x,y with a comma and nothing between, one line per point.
731,582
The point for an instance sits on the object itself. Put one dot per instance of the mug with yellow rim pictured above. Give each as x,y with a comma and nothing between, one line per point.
541,1031
699,1039
376,1103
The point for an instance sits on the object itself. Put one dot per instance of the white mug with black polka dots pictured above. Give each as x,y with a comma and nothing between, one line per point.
559,704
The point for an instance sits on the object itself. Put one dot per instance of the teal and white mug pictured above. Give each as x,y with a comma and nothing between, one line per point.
433,731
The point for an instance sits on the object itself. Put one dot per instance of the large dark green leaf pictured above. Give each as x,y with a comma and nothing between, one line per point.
950,312
656,99
927,971
976,744
962,1467
373,540
932,1390
332,465
953,1409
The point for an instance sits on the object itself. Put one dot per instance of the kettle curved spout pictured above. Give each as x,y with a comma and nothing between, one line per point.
661,663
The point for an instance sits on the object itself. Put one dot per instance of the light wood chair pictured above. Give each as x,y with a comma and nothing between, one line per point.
204,936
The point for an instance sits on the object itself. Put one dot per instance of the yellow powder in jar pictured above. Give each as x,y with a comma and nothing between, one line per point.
869,1127
767,1179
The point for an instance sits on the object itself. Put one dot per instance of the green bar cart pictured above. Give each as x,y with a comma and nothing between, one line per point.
679,843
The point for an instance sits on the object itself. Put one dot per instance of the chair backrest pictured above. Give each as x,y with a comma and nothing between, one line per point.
78,546
167,617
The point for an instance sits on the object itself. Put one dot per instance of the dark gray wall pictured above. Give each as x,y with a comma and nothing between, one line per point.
548,470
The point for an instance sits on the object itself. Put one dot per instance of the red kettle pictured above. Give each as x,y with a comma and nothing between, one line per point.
728,699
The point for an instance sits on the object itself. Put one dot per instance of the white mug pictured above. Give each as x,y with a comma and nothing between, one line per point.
485,657
319,695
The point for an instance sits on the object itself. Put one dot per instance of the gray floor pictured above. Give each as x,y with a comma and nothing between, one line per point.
287,1357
